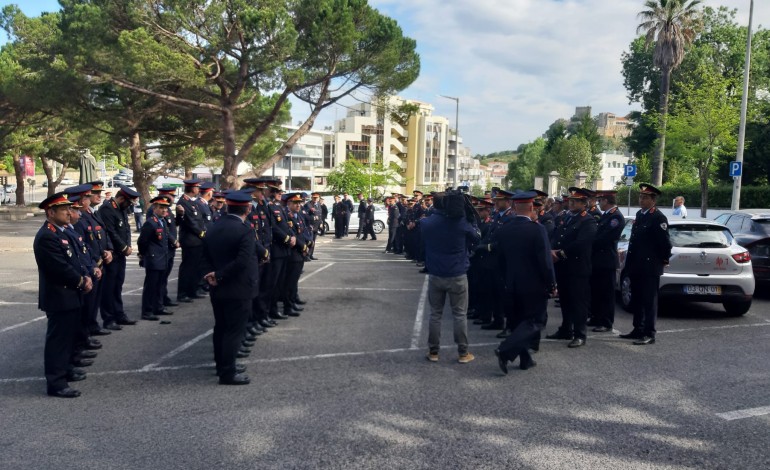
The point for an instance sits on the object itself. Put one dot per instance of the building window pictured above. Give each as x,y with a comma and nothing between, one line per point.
433,140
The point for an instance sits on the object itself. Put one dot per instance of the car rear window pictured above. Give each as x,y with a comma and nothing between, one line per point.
700,236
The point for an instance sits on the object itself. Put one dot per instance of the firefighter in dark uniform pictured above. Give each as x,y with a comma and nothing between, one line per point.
593,210
313,208
475,280
604,263
571,253
544,218
284,240
63,281
231,266
204,199
649,250
260,220
390,204
169,222
114,213
304,239
525,258
192,230
340,217
217,206
401,205
155,247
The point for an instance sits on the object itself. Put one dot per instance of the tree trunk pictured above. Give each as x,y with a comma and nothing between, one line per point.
660,150
704,192
140,178
231,158
48,170
19,180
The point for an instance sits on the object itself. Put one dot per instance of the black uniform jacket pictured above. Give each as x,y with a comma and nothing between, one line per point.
94,236
61,272
546,220
230,251
574,239
192,228
116,223
260,220
154,245
282,233
605,249
208,217
525,258
361,209
650,246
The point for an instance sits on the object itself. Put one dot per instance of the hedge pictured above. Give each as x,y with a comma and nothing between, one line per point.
720,196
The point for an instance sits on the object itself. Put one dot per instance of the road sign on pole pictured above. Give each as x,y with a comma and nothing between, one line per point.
629,171
736,169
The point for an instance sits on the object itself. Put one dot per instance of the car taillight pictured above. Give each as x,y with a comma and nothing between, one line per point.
744,257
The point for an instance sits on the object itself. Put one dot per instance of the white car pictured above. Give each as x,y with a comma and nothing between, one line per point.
67,181
380,220
706,265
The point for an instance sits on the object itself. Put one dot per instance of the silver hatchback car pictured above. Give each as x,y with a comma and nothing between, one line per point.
706,265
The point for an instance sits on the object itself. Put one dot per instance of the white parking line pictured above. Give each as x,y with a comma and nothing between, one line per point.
747,413
362,288
19,325
17,303
176,351
140,288
417,331
304,278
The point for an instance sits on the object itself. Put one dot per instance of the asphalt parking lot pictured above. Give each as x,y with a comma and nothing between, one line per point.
346,385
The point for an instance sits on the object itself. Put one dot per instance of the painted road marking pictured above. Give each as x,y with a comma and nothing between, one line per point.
176,351
747,413
417,331
315,272
19,325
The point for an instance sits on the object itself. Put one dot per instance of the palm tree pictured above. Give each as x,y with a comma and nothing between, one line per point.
672,26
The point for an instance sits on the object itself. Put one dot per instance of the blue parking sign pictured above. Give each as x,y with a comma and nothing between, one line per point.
629,171
736,168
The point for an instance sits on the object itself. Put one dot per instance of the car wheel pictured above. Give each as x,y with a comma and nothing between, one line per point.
378,227
326,227
736,308
625,291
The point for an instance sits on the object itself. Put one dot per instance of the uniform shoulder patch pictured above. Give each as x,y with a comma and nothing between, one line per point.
614,223
664,226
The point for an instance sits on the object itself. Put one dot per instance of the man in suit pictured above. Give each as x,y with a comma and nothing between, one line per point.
604,263
295,262
525,258
571,253
368,221
114,213
361,214
192,230
260,221
649,250
392,223
282,248
232,270
324,215
63,281
349,206
169,222
313,208
154,250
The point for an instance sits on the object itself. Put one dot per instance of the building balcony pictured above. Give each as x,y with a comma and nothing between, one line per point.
396,145
396,130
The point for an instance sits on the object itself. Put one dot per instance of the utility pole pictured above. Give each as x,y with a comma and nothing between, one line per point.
736,203
457,136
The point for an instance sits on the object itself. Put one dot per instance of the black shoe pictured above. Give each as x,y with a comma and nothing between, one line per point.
291,313
247,344
201,293
87,354
198,296
164,312
645,340
501,362
240,368
113,327
150,317
480,321
503,334
576,343
93,345
169,303
252,330
83,362
559,335
241,355
313,257
601,329
250,337
299,301
64,393
245,349
278,316
297,308
101,332
266,324
492,326
423,271
126,321
524,365
634,334
184,299
237,379
76,377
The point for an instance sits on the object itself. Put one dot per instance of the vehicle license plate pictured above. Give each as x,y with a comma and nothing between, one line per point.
703,290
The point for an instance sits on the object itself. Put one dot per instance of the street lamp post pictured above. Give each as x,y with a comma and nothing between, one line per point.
457,135
736,202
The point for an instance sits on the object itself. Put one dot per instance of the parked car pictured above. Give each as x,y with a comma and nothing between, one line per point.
706,265
751,229
67,181
380,220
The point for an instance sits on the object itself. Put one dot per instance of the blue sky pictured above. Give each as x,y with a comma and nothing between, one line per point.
517,65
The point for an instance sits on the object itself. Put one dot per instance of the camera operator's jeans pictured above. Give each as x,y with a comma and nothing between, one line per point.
456,288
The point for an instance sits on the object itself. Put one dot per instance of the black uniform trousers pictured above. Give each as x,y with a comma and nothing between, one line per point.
85,327
59,341
164,281
644,302
347,223
369,230
392,230
603,297
526,333
361,226
230,318
575,299
339,226
291,285
112,295
189,271
152,293
260,306
278,282
92,301
398,244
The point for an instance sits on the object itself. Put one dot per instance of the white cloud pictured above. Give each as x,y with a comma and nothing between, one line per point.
517,65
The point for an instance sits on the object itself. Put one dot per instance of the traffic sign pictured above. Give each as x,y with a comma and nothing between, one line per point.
629,171
736,168
629,181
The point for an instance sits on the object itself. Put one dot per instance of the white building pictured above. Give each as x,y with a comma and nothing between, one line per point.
302,167
612,169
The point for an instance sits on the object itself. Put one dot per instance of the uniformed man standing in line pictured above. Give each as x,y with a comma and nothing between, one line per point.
169,222
313,208
525,256
368,221
295,261
649,250
63,281
192,230
217,205
571,254
324,215
204,201
604,263
154,249
230,261
349,205
392,223
284,240
114,213
593,210
544,217
259,217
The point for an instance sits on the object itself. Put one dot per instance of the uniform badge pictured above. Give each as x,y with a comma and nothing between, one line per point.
120,223
664,226
278,218
614,223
